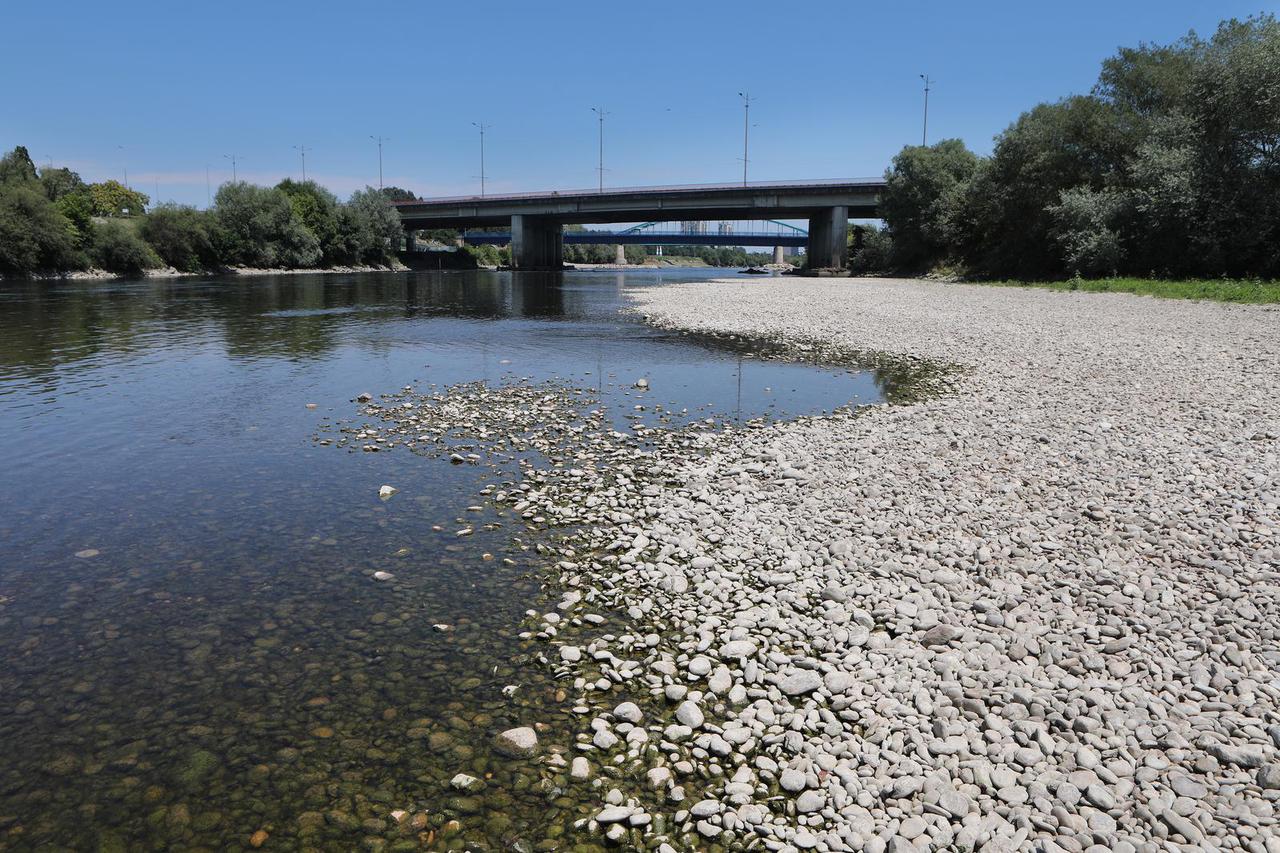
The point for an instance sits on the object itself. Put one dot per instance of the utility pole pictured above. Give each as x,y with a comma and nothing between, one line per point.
379,140
483,127
232,158
599,111
924,133
302,149
746,127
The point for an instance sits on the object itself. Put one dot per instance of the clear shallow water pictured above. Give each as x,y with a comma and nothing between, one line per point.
219,663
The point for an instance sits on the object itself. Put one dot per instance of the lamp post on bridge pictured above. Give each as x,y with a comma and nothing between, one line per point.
483,127
379,140
746,127
600,113
924,132
302,149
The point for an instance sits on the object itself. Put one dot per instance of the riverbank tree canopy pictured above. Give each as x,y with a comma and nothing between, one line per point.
1169,166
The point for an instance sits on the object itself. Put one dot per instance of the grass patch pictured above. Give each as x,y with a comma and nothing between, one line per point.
1215,290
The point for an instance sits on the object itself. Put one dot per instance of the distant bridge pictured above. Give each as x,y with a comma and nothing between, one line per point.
652,234
536,220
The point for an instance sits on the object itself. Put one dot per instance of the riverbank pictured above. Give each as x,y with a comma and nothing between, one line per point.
1037,609
170,272
1216,290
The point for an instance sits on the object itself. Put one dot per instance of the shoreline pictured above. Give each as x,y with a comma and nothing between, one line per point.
1031,610
170,272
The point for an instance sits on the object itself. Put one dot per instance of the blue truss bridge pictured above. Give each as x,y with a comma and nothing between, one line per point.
768,232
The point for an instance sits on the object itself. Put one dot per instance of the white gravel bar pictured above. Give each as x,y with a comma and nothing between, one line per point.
1039,611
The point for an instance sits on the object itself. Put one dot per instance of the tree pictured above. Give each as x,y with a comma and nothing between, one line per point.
316,208
923,196
112,198
77,207
34,236
182,236
257,227
59,183
118,248
16,167
398,194
369,229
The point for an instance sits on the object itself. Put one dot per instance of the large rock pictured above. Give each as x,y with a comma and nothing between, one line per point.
800,681
517,743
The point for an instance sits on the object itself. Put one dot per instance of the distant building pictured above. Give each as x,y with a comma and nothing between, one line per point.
726,228
693,228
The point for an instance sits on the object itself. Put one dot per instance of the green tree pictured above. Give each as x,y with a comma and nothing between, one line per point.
398,194
77,207
182,236
59,183
112,198
16,167
316,208
369,229
257,227
118,248
34,236
923,199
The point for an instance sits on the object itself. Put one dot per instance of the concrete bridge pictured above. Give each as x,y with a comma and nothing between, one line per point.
536,220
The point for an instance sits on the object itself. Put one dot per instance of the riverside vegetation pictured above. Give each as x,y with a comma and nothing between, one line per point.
1169,168
51,221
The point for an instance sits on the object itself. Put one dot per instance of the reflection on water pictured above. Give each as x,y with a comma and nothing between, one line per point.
195,654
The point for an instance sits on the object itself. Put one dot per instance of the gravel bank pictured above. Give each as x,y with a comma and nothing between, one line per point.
1037,611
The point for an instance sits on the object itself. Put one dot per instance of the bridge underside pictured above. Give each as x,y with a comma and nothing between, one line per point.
537,220
640,239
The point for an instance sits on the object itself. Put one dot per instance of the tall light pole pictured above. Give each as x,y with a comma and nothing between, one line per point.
924,132
124,166
208,188
746,127
379,140
232,158
600,113
483,127
302,149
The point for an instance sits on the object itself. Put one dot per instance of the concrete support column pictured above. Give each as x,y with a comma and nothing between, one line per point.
778,257
536,243
619,255
828,241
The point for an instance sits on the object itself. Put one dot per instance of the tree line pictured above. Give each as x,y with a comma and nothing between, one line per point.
1170,166
52,221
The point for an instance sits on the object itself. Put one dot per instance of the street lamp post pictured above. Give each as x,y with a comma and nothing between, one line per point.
232,158
924,132
124,167
302,149
600,113
483,127
379,140
746,128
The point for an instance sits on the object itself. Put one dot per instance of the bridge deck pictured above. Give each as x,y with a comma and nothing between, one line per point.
756,200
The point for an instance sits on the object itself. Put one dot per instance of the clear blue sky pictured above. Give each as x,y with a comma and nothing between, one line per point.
836,85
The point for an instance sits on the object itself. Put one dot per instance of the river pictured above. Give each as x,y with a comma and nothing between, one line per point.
195,654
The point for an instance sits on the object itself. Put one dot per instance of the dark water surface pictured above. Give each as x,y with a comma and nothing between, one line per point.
217,661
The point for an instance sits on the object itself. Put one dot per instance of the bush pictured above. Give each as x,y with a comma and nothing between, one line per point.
316,208
923,199
369,230
872,251
118,248
257,227
34,236
182,237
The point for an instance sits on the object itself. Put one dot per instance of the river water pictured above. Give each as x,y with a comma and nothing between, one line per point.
195,655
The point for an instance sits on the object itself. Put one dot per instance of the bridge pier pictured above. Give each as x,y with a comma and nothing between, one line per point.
536,243
619,255
778,256
828,248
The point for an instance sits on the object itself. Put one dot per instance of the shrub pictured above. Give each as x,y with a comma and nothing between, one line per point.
182,237
118,248
257,226
34,236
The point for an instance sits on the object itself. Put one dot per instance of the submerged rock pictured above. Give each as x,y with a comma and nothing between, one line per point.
517,743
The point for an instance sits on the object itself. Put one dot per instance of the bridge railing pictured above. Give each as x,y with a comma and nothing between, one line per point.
816,183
